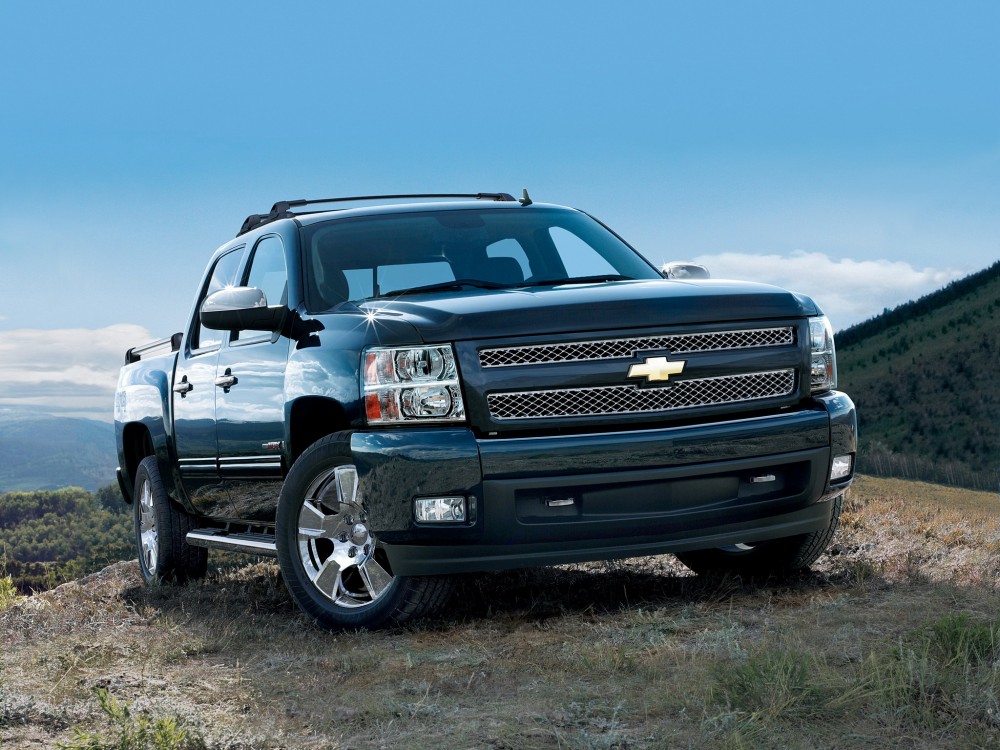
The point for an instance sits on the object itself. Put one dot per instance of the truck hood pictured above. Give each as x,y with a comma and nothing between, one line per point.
479,314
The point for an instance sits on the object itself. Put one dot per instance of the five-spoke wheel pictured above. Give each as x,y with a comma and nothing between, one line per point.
161,529
338,552
331,560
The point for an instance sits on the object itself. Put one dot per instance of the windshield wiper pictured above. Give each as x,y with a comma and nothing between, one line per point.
449,286
596,279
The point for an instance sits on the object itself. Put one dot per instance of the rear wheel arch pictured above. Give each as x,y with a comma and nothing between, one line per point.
137,444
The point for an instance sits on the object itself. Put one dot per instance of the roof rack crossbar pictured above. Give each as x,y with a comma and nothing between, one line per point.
282,209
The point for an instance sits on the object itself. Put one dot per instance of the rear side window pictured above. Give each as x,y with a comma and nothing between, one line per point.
223,275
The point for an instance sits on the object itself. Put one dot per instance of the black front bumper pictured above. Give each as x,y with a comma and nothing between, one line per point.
549,500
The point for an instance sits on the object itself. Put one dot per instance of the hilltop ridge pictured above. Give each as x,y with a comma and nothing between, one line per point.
923,378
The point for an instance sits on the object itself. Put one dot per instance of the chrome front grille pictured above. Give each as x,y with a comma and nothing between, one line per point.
623,348
629,399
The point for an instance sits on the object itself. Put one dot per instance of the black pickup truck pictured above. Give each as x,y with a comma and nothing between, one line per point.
382,395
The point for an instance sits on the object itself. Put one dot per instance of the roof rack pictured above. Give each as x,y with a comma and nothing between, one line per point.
281,209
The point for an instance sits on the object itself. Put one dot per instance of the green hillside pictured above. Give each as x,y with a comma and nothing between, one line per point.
47,538
39,452
925,379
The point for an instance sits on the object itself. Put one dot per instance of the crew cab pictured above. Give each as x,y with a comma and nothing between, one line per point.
384,393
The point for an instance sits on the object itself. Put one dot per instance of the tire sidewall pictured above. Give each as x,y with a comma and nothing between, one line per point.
323,455
775,557
149,472
176,560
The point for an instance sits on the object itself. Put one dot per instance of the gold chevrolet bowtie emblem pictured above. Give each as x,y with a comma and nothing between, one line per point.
656,368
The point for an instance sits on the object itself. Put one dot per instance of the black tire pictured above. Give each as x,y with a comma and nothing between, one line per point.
776,557
335,570
161,529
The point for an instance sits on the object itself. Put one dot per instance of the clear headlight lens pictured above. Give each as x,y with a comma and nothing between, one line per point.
823,355
411,384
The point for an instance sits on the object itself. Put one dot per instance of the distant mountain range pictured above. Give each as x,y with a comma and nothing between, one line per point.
39,452
926,380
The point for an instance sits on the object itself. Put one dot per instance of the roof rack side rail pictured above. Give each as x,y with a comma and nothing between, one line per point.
282,209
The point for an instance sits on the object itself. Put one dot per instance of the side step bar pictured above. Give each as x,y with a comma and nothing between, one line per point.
238,541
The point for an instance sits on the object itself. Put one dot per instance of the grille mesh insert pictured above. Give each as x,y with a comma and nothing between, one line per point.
630,399
680,343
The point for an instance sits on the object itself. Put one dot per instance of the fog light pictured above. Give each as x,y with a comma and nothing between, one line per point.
841,467
439,509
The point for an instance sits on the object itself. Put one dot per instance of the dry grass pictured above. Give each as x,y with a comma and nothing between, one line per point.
890,642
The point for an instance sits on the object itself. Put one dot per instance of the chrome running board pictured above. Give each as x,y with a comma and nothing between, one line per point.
238,541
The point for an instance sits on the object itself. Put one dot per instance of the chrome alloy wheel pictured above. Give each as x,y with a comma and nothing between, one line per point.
148,535
337,550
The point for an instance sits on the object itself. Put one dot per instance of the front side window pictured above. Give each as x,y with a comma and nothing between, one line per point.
266,271
223,275
391,254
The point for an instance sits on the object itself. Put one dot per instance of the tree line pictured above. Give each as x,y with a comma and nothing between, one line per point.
49,537
909,310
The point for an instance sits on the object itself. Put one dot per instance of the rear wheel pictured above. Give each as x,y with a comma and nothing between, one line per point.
161,529
334,567
774,557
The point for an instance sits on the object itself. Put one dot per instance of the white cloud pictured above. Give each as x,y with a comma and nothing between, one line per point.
849,291
65,371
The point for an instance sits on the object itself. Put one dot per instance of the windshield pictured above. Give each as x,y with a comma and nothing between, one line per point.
388,255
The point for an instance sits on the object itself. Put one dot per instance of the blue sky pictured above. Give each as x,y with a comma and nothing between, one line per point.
847,150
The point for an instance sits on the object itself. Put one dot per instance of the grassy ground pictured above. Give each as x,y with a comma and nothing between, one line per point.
893,640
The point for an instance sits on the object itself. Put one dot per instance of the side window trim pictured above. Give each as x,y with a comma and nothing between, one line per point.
195,323
244,280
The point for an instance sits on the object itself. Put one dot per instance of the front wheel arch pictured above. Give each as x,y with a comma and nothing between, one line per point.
310,419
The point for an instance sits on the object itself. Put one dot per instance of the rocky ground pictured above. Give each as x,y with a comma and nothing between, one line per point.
890,641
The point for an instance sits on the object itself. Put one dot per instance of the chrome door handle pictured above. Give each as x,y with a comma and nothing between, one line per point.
227,381
183,387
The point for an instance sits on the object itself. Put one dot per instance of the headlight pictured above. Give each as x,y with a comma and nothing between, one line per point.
823,355
411,384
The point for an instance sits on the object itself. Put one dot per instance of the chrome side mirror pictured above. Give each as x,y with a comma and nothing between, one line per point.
684,271
241,308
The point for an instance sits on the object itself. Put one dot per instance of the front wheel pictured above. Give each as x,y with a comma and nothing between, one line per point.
774,557
334,567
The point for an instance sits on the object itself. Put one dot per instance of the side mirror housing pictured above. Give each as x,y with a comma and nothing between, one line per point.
241,308
684,271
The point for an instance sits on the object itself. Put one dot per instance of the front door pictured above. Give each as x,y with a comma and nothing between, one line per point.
250,400
194,391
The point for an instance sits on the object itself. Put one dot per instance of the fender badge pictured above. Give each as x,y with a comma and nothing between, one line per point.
274,445
656,369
